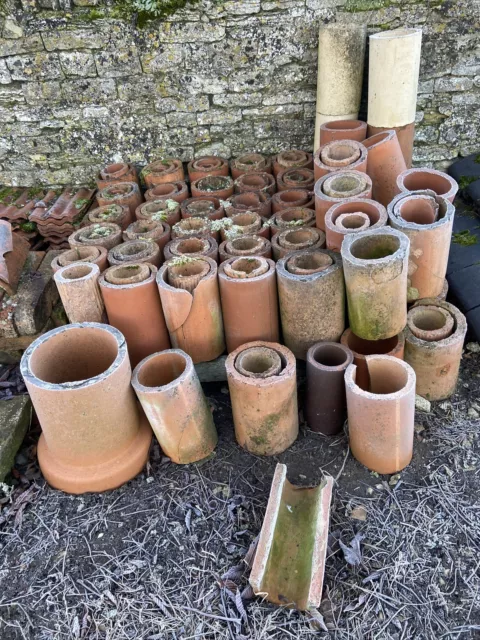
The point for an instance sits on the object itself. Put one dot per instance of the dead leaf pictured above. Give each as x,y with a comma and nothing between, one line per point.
352,553
359,513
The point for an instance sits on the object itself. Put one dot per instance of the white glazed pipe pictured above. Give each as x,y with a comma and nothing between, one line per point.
394,65
341,54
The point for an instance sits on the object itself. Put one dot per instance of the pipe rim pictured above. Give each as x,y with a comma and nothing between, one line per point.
459,323
186,373
93,272
361,205
351,239
104,283
312,355
336,174
445,207
282,271
417,172
407,388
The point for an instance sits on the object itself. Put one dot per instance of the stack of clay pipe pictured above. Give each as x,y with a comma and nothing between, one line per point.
266,259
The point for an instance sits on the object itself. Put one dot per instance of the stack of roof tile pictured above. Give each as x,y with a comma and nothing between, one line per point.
16,205
56,220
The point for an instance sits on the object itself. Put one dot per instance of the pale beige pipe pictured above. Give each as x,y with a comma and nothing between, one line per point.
341,55
77,285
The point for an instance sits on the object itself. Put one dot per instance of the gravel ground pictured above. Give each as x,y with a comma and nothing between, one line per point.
162,558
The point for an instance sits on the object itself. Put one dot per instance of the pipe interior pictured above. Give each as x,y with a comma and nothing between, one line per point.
330,355
77,271
244,219
358,206
246,200
378,138
246,243
292,215
418,210
374,247
300,236
161,369
73,355
315,261
213,183
253,180
261,362
246,265
192,224
77,254
154,207
353,221
188,269
429,320
342,125
191,245
386,376
200,207
417,181
345,184
291,196
164,189
132,249
120,189
114,168
371,347
343,151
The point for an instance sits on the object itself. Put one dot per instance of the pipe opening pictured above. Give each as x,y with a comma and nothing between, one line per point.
418,209
293,196
353,221
340,152
165,189
121,189
114,168
77,271
359,206
259,362
209,162
343,186
374,247
305,263
420,180
187,275
378,138
244,219
298,177
127,274
246,243
430,323
156,206
132,248
246,200
291,158
298,237
386,377
191,245
246,268
429,320
200,207
249,159
73,355
161,369
253,180
371,347
342,125
330,356
83,254
213,183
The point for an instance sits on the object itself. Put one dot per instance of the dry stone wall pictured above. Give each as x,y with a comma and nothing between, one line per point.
80,86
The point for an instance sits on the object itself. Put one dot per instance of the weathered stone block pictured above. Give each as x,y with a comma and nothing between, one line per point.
190,104
5,77
460,83
18,46
250,80
15,417
11,95
225,56
94,90
219,116
117,63
74,39
238,99
77,63
165,57
289,97
33,67
181,119
48,93
191,32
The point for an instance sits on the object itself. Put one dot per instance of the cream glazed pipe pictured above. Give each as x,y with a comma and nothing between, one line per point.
341,55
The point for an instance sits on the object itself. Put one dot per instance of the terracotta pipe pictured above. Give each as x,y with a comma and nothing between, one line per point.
375,264
394,65
360,348
311,295
250,162
163,171
94,255
427,220
135,251
77,285
292,198
93,436
126,194
343,130
422,179
177,191
294,159
248,293
290,555
351,217
294,240
296,179
192,248
340,155
341,55
194,319
256,183
337,188
433,346
158,232
116,172
193,228
105,234
159,210
207,166
220,187
245,246
202,207
263,391
171,395
258,202
381,417
116,213
133,306
385,163
325,402
245,224
292,219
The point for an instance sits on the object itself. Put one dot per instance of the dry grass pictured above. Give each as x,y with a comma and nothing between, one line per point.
146,562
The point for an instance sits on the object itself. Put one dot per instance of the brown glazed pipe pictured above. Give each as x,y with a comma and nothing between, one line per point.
177,191
191,248
171,395
293,218
117,172
434,339
93,436
202,207
256,183
94,255
296,179
292,198
311,294
194,318
160,210
162,171
361,348
116,213
248,293
325,401
220,187
133,306
207,166
381,418
245,246
263,390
